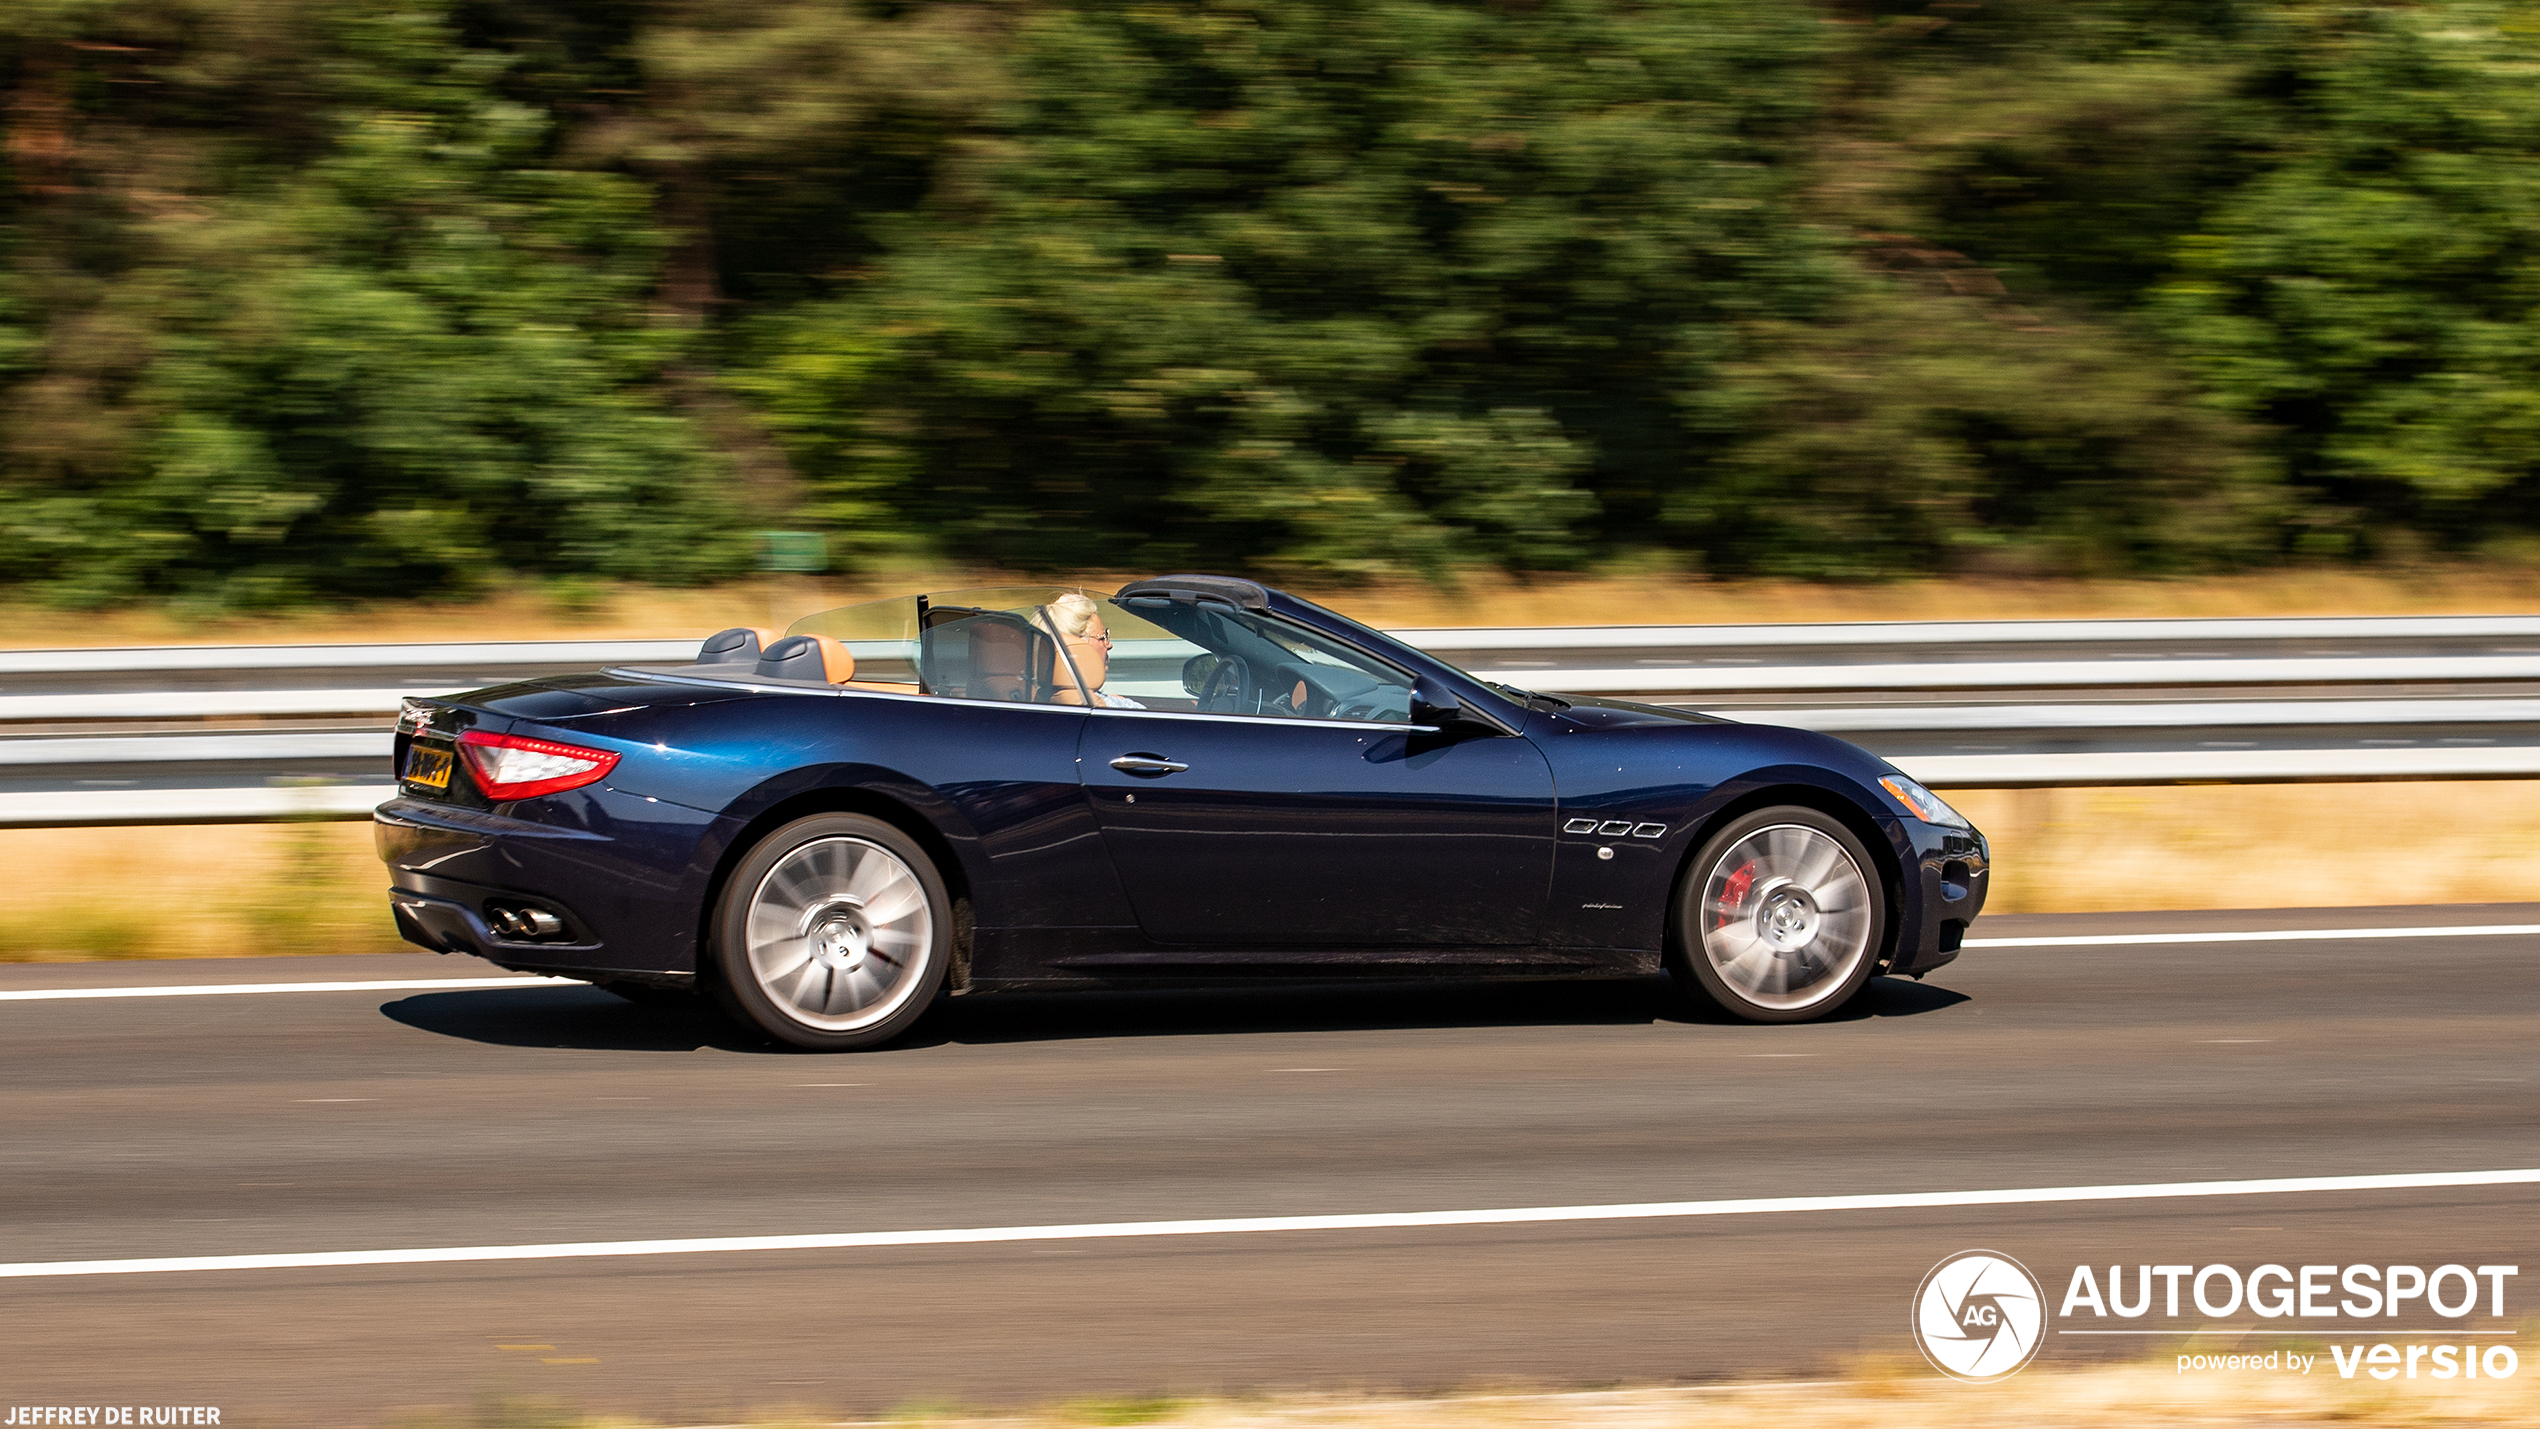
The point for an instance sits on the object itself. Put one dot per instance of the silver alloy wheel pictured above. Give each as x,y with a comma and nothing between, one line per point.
838,934
1786,917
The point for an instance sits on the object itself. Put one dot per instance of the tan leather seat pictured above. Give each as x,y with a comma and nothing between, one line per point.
808,657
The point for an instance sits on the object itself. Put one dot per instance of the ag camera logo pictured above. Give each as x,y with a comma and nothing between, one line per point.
1980,1316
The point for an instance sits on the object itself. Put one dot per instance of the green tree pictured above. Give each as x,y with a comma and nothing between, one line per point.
2373,290
304,299
363,336
1352,287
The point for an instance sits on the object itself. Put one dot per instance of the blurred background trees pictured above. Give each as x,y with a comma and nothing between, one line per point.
311,298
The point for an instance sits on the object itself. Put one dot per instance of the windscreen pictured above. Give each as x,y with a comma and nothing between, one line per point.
993,643
881,634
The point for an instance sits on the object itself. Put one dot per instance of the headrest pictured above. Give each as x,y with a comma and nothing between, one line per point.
1000,661
808,657
740,645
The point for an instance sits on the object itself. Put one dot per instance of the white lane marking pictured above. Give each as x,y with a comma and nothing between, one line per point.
1254,1225
2269,935
218,989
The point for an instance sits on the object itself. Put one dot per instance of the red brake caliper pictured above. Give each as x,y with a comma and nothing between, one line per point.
1733,895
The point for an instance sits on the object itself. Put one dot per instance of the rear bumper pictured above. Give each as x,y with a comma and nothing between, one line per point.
451,917
616,871
458,924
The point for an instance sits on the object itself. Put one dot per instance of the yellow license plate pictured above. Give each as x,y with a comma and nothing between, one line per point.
427,766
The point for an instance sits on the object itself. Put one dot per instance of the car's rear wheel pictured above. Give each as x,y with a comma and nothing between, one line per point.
832,934
1781,916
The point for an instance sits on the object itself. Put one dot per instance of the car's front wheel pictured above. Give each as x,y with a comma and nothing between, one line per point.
1781,916
832,934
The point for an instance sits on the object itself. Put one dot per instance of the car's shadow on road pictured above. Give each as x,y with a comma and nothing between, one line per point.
572,1019
589,1019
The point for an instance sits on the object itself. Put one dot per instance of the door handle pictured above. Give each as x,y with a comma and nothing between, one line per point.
1148,765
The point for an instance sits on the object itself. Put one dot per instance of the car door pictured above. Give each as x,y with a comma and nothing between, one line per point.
1296,806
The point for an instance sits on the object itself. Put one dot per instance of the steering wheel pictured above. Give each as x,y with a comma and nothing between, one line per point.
1228,689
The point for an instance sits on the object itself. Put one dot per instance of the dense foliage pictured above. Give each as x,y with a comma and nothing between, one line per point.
302,298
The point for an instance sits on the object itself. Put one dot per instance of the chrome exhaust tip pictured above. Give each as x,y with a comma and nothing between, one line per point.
526,923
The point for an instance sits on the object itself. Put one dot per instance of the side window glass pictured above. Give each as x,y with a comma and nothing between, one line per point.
973,654
1212,659
1133,663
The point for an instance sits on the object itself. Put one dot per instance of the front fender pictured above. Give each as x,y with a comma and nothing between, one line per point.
1637,802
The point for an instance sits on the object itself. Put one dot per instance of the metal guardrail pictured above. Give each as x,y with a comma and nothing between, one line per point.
1975,634
90,808
231,733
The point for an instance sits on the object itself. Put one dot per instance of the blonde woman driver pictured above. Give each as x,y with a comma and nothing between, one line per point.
1074,620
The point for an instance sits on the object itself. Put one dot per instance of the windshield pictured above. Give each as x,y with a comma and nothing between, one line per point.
881,634
891,643
995,643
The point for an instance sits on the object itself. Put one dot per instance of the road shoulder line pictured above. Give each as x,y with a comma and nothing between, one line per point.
1256,1225
218,989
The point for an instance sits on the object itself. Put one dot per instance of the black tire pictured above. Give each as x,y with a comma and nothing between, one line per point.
833,934
1781,916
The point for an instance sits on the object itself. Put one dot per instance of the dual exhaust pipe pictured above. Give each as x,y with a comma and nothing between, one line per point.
525,923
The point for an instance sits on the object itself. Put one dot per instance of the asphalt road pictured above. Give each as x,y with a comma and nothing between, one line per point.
351,1120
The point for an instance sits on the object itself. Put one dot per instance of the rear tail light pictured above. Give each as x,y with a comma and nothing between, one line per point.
510,767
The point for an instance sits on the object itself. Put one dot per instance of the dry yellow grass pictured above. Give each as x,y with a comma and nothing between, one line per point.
2259,846
203,891
262,890
1663,599
1905,1397
1893,1395
594,611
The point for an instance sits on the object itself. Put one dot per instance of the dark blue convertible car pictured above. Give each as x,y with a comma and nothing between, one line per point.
1193,778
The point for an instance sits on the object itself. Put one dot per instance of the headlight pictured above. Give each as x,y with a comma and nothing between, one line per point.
1923,803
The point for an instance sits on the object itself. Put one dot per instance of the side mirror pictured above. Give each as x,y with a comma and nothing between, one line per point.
1431,705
